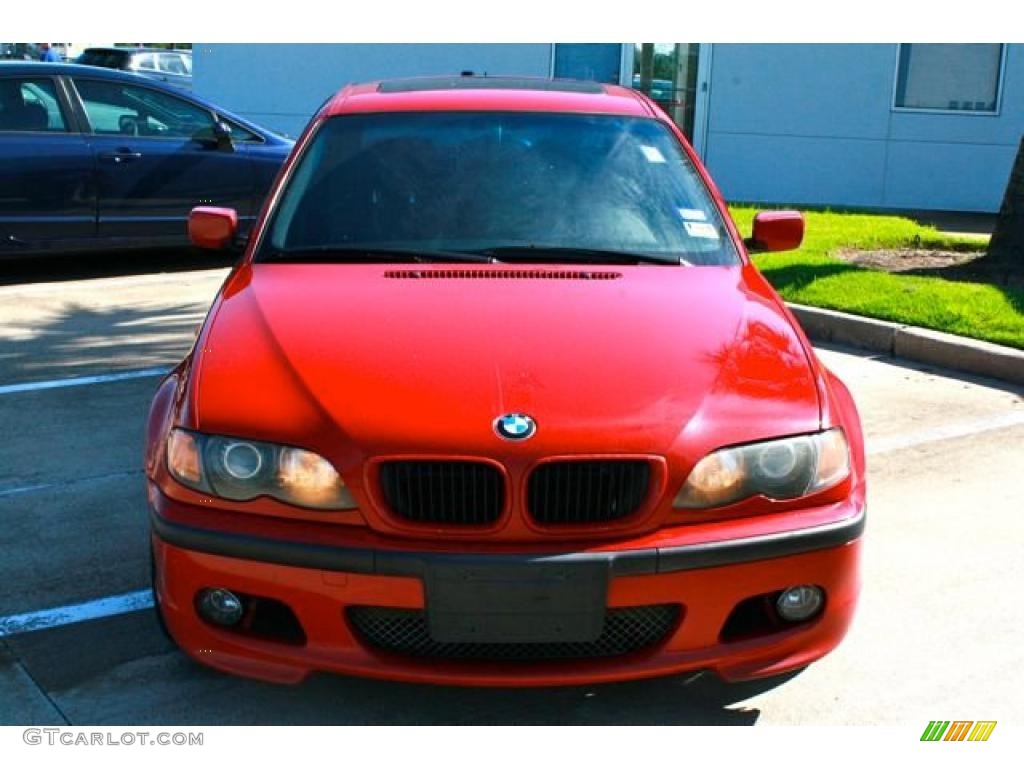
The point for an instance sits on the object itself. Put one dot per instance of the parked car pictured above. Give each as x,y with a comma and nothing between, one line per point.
173,67
97,159
496,396
20,51
661,91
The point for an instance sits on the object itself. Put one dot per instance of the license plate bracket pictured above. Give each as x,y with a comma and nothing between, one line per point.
535,601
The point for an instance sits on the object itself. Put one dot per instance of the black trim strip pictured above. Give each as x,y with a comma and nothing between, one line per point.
636,562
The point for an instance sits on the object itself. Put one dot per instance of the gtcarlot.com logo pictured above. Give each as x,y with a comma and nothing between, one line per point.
958,730
75,738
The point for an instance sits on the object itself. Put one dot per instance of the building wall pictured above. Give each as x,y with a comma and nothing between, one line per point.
801,124
813,124
281,85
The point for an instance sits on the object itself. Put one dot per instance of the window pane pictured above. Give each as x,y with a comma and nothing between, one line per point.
143,61
588,61
957,77
238,133
29,105
171,62
135,111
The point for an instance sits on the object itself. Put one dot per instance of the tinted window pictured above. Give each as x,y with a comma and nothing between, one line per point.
98,57
475,181
134,111
238,133
29,105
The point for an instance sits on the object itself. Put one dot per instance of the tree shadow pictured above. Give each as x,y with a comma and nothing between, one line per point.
1008,278
797,276
21,270
78,340
954,221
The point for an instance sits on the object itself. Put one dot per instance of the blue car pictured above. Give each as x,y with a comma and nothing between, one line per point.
95,159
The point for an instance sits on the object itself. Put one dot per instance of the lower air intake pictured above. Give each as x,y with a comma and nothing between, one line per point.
404,631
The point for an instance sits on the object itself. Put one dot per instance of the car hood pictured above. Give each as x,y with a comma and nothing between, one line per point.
363,360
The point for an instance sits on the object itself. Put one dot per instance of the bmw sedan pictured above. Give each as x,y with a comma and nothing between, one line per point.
97,159
497,397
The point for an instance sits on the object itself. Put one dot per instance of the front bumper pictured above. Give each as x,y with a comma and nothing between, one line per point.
318,582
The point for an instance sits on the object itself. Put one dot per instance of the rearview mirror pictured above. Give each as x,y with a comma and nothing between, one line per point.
776,231
212,228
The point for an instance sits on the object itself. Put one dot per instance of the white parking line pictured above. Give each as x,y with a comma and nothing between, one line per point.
80,381
33,621
66,483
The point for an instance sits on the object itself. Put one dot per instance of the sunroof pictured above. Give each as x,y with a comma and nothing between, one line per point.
467,82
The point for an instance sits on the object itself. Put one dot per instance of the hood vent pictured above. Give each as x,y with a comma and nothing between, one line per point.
498,274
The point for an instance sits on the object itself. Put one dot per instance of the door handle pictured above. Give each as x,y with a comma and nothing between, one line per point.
121,156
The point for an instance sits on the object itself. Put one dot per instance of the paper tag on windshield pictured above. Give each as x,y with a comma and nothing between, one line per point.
701,229
652,154
693,214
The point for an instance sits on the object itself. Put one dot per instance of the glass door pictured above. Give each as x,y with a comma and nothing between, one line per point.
667,72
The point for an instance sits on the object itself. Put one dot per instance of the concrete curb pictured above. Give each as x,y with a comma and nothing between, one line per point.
921,345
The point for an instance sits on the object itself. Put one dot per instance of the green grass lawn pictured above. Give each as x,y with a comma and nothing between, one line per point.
813,276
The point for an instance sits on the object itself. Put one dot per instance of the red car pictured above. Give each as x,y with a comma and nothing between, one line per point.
496,397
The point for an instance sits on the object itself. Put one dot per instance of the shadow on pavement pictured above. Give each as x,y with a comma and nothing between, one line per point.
934,370
122,670
75,340
86,266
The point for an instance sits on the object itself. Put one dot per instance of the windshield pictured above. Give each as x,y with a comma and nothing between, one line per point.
509,185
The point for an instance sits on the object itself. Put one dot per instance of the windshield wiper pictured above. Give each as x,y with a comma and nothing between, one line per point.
548,253
369,253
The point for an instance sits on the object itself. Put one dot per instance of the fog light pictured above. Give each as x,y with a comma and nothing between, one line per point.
220,606
800,603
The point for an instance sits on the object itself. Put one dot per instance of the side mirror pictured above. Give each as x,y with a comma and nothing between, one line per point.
222,134
212,228
218,137
777,231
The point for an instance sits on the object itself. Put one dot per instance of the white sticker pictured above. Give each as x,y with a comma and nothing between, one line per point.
693,214
652,154
701,229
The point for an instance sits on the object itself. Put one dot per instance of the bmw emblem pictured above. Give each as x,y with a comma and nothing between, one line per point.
515,426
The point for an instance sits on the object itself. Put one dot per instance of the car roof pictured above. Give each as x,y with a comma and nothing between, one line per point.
133,49
51,68
54,69
470,92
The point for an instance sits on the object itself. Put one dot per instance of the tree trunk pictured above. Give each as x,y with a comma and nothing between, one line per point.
1007,244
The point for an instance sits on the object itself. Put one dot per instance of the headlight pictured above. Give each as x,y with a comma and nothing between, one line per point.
244,469
779,469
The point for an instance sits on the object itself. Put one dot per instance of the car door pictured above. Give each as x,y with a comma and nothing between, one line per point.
47,174
157,157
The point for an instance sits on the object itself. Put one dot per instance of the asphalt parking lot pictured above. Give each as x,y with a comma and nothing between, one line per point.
937,634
